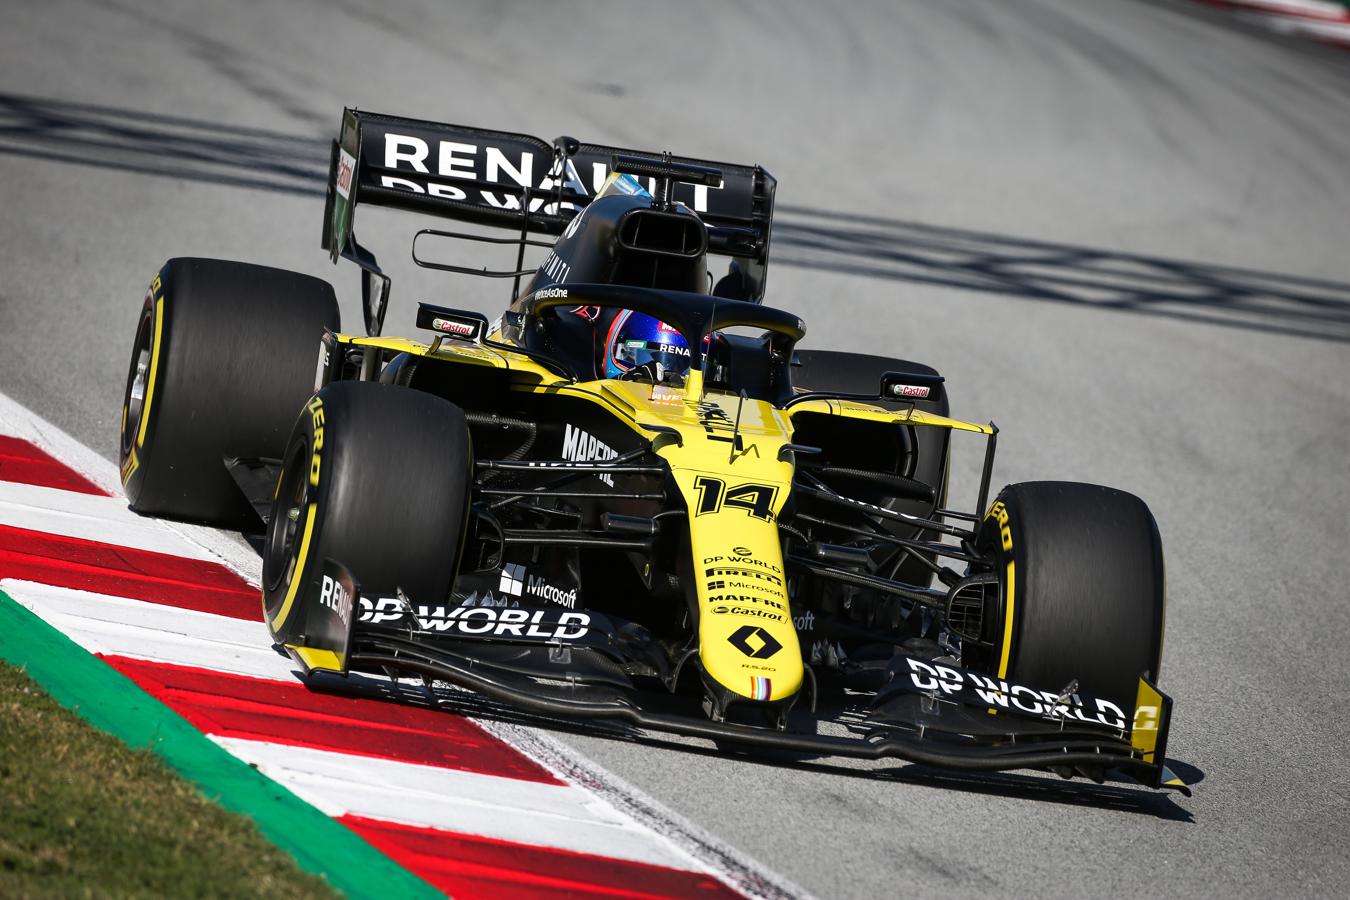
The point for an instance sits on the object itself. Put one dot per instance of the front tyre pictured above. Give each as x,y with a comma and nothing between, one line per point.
1081,586
375,477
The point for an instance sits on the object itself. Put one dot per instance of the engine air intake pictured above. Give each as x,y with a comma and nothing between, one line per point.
662,233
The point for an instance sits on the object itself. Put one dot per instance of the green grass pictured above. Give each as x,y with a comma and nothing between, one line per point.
82,814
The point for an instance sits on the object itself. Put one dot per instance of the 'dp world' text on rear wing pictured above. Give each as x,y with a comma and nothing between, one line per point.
516,181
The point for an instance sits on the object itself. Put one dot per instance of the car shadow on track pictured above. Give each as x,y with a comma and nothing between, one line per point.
888,249
1120,793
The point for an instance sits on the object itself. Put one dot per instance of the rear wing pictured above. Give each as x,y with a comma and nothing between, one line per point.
516,181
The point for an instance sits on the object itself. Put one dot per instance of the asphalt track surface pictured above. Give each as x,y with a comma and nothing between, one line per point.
1117,228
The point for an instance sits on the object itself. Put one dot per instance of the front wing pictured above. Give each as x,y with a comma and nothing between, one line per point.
583,665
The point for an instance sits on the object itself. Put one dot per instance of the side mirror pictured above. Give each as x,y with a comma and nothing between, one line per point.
374,299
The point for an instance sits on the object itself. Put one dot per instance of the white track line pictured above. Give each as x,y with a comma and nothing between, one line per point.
219,546
1319,9
1289,25
21,422
562,817
89,517
733,867
700,849
117,626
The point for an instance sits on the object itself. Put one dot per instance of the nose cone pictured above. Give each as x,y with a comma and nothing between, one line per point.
747,641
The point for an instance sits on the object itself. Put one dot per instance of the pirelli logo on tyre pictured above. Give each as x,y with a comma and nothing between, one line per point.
315,408
999,513
130,466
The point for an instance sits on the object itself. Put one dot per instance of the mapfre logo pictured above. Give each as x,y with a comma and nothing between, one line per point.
581,446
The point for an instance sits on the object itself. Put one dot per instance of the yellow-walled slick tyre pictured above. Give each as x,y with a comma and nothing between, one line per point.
224,356
375,477
1081,585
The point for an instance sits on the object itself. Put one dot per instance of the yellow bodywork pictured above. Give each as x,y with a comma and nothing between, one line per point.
317,660
1148,720
724,454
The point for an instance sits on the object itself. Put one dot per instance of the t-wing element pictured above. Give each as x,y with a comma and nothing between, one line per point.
665,172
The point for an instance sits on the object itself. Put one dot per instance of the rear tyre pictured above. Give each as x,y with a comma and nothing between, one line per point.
375,477
1081,588
857,373
224,355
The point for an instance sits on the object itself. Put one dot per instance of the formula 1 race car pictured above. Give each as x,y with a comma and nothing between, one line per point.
632,498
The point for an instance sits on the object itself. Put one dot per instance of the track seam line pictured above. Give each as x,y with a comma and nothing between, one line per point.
735,868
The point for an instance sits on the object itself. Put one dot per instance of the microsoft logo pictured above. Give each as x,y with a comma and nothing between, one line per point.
513,579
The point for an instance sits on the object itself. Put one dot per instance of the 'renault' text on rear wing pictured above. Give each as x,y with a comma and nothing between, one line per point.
516,181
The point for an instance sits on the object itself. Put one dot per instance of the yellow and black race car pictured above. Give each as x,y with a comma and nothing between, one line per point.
631,497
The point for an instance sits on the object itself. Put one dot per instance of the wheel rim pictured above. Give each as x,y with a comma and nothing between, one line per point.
284,527
133,402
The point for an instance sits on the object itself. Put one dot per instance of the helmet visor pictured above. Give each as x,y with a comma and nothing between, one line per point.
640,339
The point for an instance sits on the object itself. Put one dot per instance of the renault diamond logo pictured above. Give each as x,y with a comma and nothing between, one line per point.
754,642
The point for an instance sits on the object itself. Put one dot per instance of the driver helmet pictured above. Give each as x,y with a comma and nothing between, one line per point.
636,340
